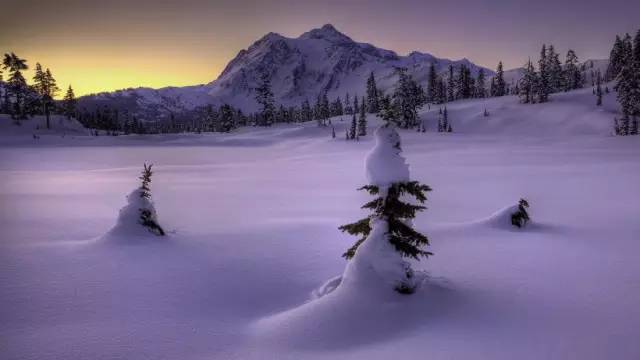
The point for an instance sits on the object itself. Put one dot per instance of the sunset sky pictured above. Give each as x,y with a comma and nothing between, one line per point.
108,45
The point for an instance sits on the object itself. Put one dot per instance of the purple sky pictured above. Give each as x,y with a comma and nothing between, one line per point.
190,41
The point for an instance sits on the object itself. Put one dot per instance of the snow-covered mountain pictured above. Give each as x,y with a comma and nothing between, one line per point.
319,60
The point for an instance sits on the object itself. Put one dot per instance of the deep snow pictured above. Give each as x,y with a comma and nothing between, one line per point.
253,220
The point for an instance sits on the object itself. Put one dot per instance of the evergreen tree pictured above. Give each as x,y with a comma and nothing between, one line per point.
362,122
226,118
306,113
356,108
264,97
543,88
372,95
69,103
390,208
599,90
51,89
325,112
432,86
451,85
446,127
347,105
615,59
408,98
147,215
500,85
16,83
572,77
441,91
527,84
354,127
480,85
628,81
554,68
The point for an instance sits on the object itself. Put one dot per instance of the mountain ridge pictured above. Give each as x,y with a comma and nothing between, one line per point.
318,61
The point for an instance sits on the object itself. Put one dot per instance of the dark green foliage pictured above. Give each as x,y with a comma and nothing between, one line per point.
396,212
146,216
146,219
146,180
520,218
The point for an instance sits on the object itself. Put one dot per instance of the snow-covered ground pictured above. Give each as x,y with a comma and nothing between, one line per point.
252,220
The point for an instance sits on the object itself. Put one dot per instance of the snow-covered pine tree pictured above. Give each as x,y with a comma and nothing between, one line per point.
372,95
362,122
356,107
572,76
528,84
500,85
628,81
325,111
554,69
348,110
615,59
451,84
446,125
354,126
480,85
386,236
543,88
226,117
599,89
432,85
408,98
306,113
441,91
520,218
148,217
264,97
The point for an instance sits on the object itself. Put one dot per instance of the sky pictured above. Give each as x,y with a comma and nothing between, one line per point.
107,45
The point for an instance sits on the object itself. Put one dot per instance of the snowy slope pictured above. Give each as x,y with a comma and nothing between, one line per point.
320,60
252,218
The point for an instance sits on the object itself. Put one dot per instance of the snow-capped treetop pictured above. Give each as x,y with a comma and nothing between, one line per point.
384,164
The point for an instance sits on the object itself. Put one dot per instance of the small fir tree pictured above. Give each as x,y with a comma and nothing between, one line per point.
69,103
390,209
354,126
362,121
147,216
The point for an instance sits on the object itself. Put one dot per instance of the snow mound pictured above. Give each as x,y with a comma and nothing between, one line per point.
376,267
128,227
500,219
346,318
384,164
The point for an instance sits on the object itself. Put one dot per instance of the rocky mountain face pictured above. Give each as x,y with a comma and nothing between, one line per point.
318,61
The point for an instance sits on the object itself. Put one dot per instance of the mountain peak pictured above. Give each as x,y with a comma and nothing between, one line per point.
327,32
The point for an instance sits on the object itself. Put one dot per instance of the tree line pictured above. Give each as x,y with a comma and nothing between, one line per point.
22,100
